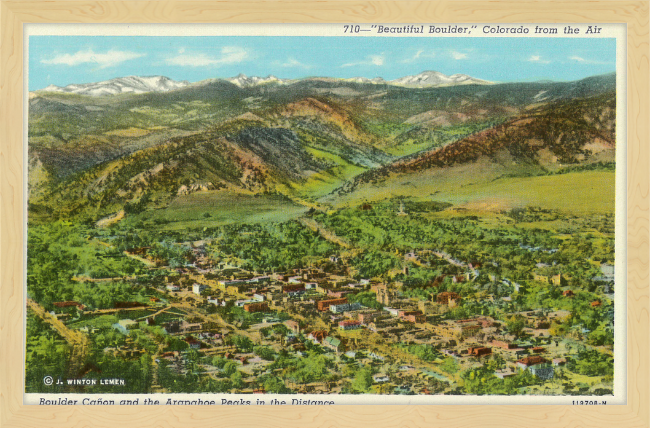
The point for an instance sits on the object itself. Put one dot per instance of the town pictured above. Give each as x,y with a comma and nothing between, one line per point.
214,323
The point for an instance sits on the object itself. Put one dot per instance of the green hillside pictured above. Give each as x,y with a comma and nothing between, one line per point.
317,142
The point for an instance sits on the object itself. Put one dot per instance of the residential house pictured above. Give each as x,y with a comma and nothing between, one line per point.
194,344
256,307
317,336
538,366
368,317
412,316
337,309
324,305
479,351
349,324
293,326
503,344
380,378
293,289
332,343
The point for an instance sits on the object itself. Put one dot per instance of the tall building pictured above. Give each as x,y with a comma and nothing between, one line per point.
383,294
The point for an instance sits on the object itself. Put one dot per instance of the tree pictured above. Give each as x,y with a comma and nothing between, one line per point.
515,325
449,365
229,368
236,379
362,380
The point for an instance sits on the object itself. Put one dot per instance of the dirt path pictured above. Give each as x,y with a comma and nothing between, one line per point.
327,234
77,340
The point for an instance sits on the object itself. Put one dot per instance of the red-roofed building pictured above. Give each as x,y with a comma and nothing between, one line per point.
256,307
349,324
533,360
479,351
324,305
538,366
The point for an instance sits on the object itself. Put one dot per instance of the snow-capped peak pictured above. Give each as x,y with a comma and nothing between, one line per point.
122,85
142,84
375,80
244,81
435,78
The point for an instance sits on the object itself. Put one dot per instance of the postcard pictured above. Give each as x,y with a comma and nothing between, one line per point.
325,214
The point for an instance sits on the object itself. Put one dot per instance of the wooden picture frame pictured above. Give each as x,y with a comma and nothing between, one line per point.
13,413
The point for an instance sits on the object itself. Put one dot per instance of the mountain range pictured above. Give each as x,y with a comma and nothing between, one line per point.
122,85
138,85
318,142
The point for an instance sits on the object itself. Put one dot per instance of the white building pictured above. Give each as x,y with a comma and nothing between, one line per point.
199,288
380,378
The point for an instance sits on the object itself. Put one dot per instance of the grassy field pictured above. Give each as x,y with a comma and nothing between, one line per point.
481,189
213,208
586,192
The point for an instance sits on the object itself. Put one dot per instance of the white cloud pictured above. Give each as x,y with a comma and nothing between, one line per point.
229,55
108,59
292,62
377,60
420,54
587,61
458,55
538,59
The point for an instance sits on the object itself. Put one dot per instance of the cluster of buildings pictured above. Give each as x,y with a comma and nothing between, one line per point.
322,305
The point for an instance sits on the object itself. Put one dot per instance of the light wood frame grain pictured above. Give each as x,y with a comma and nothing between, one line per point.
15,13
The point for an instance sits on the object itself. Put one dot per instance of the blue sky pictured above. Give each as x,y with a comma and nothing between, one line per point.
62,60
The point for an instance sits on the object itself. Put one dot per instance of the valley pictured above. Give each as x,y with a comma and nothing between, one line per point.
325,236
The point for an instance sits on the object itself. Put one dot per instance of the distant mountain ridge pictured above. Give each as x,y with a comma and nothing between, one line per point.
306,139
435,78
138,85
244,81
121,85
